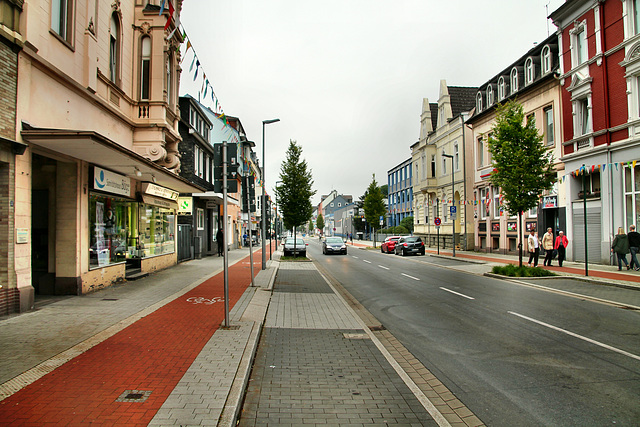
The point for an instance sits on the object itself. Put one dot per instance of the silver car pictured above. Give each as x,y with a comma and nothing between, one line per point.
295,246
334,245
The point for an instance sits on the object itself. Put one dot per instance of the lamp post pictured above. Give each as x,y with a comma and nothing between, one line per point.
453,203
264,198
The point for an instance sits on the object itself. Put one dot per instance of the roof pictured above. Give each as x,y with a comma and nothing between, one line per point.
433,107
463,99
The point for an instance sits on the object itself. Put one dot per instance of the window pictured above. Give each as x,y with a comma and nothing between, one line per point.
581,48
548,126
634,13
480,152
514,80
546,60
196,163
582,120
200,218
444,165
631,194
169,82
433,166
114,49
456,157
145,68
479,101
110,228
201,163
529,71
496,203
489,157
579,51
484,195
61,18
501,89
490,95
533,212
424,165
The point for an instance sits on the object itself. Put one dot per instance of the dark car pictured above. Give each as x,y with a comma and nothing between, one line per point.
410,245
334,245
297,246
389,244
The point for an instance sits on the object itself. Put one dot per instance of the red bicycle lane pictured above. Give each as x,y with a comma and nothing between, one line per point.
148,357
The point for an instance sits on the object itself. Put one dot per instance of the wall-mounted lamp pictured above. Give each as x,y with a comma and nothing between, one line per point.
138,173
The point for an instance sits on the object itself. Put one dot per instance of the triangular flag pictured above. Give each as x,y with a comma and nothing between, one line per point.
197,66
170,17
162,7
604,166
634,164
193,61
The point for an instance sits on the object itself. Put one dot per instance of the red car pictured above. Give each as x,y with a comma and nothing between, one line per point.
389,244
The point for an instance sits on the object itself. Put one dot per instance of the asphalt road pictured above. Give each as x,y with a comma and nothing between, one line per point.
515,355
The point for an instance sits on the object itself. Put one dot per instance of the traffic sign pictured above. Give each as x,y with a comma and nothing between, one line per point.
437,221
452,209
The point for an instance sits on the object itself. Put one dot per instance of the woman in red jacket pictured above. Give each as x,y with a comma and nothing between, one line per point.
560,246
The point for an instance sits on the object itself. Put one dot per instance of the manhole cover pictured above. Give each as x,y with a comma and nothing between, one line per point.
134,396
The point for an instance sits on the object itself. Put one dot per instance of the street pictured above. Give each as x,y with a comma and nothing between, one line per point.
514,354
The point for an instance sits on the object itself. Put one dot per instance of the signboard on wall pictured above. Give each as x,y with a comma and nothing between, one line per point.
156,190
550,202
185,205
111,182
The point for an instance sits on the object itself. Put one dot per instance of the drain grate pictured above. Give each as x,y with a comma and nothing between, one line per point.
109,299
134,396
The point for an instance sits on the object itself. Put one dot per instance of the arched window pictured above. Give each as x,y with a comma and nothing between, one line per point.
145,68
529,72
114,49
501,89
514,80
546,60
479,101
489,96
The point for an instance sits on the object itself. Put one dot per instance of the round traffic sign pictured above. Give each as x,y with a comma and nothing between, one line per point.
437,221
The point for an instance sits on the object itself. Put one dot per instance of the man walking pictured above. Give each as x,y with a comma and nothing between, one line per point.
220,240
634,245
534,248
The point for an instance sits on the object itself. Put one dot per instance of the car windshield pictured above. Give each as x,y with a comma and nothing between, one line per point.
334,240
412,239
297,240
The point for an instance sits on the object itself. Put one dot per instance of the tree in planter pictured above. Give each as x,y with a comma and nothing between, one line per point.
295,190
523,166
320,223
374,207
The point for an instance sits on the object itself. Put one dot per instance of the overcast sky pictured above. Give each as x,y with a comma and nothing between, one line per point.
346,78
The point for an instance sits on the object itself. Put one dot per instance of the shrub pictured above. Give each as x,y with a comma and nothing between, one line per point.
513,270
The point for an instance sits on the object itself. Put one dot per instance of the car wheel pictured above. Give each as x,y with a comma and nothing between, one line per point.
304,254
381,249
404,253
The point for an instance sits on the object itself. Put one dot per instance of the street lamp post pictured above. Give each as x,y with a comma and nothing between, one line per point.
264,198
453,203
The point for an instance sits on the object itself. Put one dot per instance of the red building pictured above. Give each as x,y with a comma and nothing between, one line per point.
599,48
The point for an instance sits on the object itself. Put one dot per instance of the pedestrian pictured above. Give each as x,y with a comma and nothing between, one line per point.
351,237
534,248
220,240
561,246
547,245
634,246
620,246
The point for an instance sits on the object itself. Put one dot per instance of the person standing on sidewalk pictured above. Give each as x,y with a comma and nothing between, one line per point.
220,240
547,245
634,246
534,248
620,246
561,246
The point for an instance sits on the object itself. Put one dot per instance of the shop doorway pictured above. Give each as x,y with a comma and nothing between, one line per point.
43,225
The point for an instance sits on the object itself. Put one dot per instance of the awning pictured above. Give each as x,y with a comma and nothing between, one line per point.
216,197
97,149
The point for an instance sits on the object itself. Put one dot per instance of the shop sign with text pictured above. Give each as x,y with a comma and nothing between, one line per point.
111,182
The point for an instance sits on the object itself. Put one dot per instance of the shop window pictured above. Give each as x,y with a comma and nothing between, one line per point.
156,230
112,226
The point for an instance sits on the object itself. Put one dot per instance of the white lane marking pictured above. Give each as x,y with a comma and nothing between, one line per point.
457,293
382,266
410,277
573,334
368,262
354,257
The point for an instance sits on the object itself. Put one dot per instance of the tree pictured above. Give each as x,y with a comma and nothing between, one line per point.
523,166
407,223
320,222
295,189
385,190
310,226
374,207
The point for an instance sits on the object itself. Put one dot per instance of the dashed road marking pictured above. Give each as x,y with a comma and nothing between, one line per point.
410,277
457,293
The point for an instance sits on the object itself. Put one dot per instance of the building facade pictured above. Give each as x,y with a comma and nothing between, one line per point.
400,197
599,74
440,162
96,190
531,80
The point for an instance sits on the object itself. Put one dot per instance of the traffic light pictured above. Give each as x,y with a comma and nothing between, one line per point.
232,168
248,186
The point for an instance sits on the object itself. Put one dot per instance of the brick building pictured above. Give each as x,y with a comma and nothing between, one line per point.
599,50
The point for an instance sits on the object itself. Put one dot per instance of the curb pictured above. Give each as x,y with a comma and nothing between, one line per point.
256,311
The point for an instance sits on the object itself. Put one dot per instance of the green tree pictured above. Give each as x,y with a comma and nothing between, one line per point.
295,190
385,190
407,223
523,166
374,206
320,222
310,226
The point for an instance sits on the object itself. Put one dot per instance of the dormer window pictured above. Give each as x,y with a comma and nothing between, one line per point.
502,92
490,96
514,80
545,61
479,101
529,71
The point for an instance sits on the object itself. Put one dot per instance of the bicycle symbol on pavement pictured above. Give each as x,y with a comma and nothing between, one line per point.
206,301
